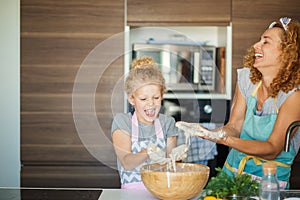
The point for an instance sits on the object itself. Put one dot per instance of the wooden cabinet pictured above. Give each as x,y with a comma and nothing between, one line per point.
59,40
88,175
178,13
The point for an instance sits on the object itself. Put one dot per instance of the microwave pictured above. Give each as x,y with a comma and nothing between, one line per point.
184,67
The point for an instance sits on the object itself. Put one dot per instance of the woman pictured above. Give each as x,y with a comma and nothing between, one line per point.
266,102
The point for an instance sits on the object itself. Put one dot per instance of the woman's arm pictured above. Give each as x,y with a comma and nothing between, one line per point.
122,146
231,129
271,148
237,115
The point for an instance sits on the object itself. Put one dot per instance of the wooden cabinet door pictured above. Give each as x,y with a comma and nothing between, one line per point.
181,12
60,42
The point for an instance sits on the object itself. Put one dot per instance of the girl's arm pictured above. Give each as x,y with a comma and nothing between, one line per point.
122,145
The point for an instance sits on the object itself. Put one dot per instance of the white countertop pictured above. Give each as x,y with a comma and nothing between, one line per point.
122,194
17,193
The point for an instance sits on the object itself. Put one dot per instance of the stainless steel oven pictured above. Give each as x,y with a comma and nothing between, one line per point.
197,110
185,67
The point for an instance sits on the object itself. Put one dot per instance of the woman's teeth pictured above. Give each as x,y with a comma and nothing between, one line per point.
258,55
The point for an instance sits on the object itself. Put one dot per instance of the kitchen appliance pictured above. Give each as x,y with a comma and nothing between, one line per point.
198,110
185,67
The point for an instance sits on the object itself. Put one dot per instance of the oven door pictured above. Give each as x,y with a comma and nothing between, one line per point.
197,110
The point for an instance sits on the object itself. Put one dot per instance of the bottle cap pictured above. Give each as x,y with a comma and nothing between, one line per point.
269,168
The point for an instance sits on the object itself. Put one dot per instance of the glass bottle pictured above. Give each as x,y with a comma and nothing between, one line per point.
269,186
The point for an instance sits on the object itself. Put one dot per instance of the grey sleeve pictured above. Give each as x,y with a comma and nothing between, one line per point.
121,121
244,83
168,126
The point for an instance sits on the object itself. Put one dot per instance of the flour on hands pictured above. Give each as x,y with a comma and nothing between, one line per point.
195,129
156,154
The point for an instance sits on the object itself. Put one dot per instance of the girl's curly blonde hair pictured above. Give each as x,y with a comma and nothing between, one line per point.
144,71
288,76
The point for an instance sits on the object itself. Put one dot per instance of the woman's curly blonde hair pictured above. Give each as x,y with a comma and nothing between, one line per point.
288,76
144,71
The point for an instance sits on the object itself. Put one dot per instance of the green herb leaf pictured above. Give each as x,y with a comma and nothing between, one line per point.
224,185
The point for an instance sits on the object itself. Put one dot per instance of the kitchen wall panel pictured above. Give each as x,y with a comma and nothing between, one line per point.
178,13
57,39
72,18
67,177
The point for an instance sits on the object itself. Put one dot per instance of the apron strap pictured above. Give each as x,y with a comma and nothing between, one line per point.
275,100
158,129
282,184
255,91
244,160
257,161
135,128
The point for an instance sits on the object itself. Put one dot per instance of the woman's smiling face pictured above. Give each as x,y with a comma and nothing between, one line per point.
147,102
268,49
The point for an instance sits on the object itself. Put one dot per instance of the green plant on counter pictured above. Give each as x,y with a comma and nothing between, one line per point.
223,185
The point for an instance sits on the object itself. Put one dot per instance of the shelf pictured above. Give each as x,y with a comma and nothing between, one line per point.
196,96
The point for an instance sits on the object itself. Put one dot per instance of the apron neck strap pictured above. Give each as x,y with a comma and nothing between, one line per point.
135,128
255,91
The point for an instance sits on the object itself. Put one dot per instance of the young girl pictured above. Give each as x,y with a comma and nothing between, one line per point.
146,136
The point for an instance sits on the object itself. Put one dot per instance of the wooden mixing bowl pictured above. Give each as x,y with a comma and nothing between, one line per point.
186,182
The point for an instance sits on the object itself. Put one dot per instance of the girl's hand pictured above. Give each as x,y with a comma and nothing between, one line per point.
180,152
156,155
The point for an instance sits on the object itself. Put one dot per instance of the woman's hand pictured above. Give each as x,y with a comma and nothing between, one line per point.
195,129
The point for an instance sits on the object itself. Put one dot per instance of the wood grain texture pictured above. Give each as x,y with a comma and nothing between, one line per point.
70,176
172,13
61,41
90,16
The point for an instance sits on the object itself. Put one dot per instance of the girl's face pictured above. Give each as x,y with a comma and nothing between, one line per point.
147,102
267,50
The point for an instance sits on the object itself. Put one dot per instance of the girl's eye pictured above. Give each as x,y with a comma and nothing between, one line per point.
156,97
143,99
